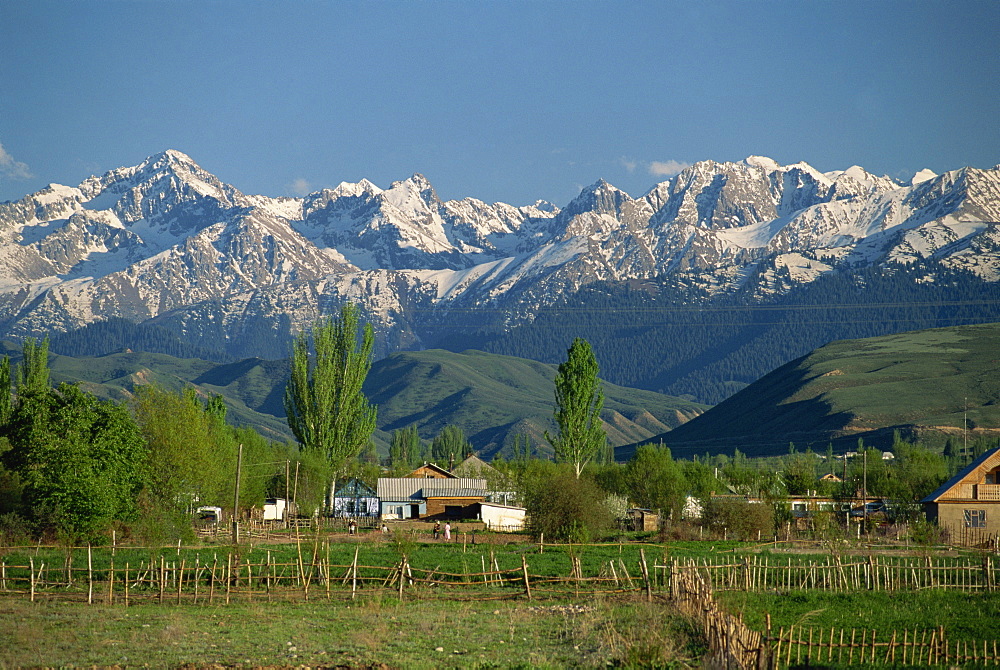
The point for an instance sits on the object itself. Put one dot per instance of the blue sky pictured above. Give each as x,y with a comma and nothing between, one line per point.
504,101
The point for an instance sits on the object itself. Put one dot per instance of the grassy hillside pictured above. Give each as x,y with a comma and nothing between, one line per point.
494,397
491,397
917,382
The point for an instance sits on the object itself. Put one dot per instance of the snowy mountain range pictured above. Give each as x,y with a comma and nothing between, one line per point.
168,243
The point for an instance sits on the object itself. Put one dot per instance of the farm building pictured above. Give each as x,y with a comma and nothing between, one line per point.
501,517
968,504
412,498
643,519
355,498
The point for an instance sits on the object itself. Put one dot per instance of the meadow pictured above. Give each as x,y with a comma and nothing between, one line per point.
479,624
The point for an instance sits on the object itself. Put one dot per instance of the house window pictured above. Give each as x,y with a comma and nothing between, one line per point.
975,518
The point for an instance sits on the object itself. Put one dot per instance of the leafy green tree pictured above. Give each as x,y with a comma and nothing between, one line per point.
5,391
33,371
655,480
327,410
191,460
701,481
579,400
800,473
450,445
81,460
405,448
564,506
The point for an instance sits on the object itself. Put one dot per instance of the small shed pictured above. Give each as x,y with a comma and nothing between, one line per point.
355,498
274,509
501,517
643,519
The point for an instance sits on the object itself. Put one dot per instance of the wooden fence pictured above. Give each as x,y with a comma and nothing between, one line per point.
223,578
733,645
917,648
872,573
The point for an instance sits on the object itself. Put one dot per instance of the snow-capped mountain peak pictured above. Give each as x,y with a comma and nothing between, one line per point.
168,240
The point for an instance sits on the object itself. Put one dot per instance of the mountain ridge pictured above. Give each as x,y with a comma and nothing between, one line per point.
168,243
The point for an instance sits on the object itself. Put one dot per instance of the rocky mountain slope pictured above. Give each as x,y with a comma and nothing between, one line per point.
168,243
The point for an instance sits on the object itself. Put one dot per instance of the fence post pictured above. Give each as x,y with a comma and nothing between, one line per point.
524,569
90,576
645,574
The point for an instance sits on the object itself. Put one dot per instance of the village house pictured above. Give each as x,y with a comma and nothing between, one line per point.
430,497
430,471
355,498
968,504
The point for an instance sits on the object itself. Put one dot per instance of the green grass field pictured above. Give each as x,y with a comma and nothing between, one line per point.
471,626
965,616
411,634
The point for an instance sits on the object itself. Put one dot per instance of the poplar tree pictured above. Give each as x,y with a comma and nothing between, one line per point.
33,371
327,410
579,400
5,389
405,448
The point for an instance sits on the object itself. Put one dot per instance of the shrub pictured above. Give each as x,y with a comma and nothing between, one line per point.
739,518
566,508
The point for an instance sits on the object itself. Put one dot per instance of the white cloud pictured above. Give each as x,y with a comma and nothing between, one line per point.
666,168
629,164
11,168
299,187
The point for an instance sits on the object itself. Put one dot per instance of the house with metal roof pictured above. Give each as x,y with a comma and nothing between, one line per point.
968,504
355,498
413,498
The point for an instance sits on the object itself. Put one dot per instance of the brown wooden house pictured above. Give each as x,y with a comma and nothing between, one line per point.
968,504
430,471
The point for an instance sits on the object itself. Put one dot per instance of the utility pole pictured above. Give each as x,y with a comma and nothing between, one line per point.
864,487
295,490
965,429
236,497
287,467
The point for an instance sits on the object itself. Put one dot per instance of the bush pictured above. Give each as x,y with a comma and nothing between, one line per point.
15,530
739,518
566,508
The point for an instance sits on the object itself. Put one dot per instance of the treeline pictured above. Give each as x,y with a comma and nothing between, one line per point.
74,467
566,507
707,349
115,335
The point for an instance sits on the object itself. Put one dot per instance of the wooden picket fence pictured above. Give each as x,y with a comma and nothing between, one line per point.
917,648
733,645
873,573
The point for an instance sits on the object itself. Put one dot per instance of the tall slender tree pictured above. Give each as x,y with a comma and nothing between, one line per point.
33,371
5,390
327,410
579,401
